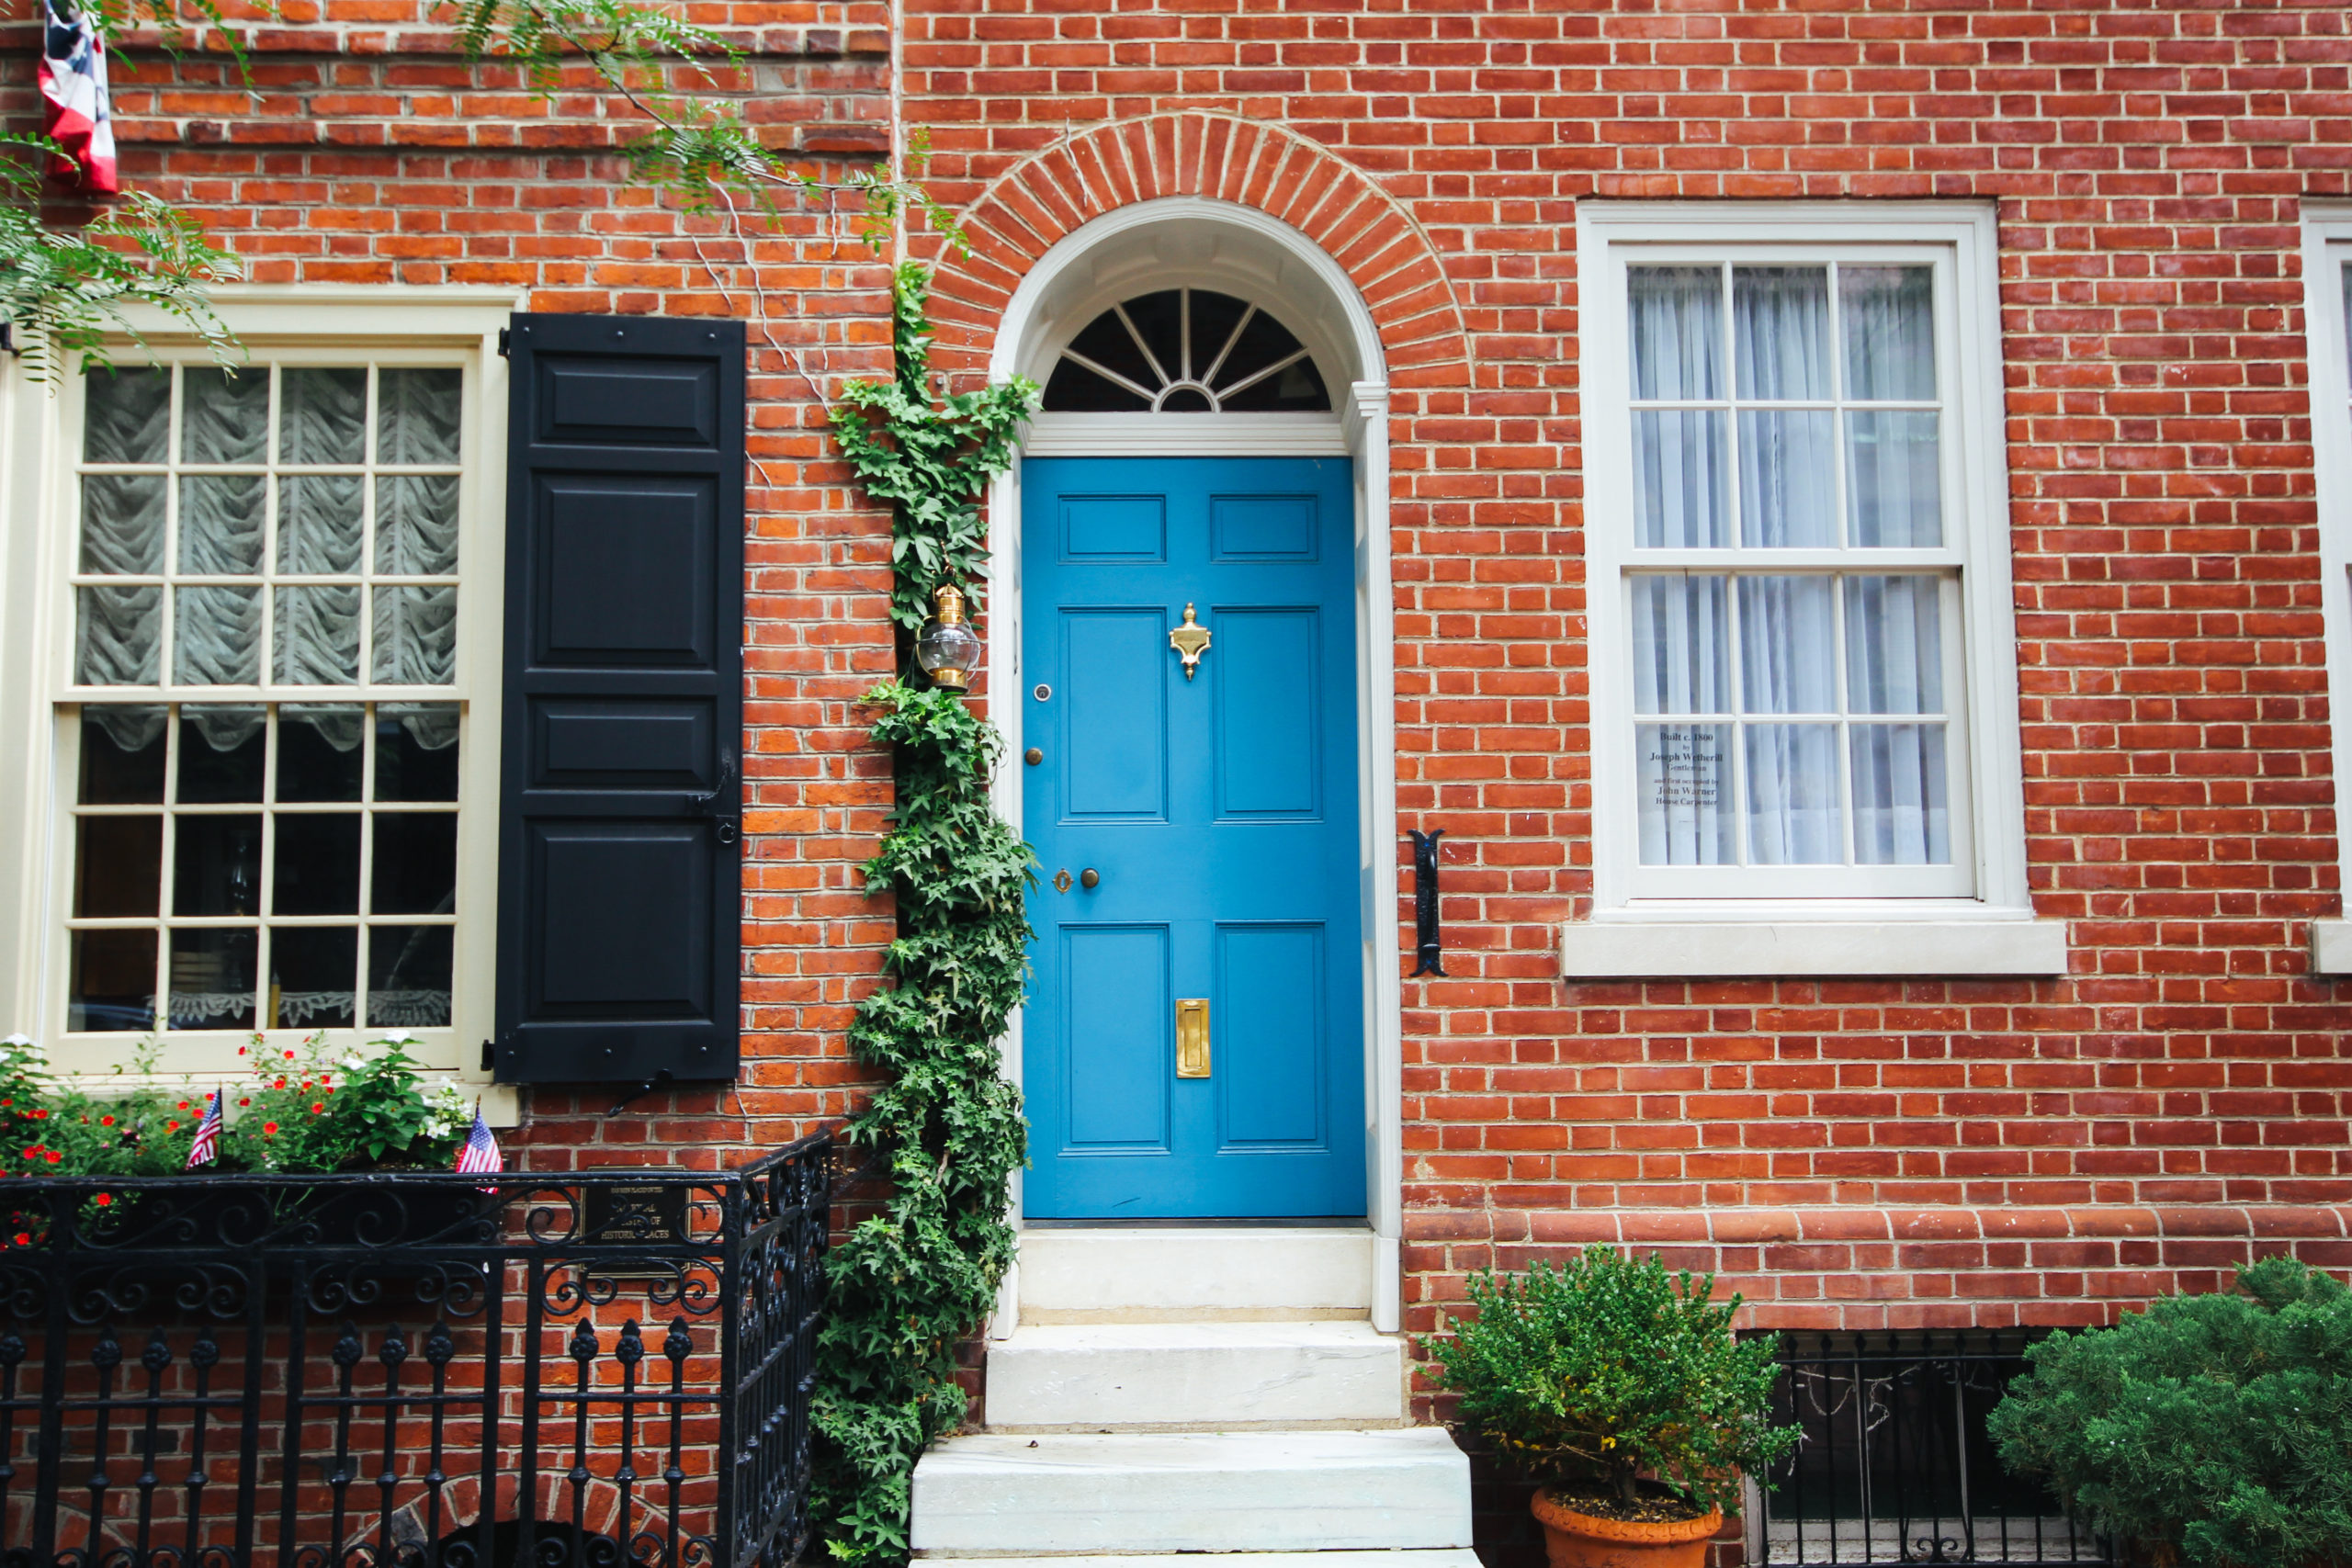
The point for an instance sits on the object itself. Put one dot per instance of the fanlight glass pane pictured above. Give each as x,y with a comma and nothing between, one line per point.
1186,351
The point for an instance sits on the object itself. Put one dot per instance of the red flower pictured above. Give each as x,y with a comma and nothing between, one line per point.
330,1090
171,1126
241,1049
183,1105
269,1129
279,1084
103,1199
54,1157
33,1153
23,1240
289,1055
40,1115
8,1101
244,1103
106,1121
318,1107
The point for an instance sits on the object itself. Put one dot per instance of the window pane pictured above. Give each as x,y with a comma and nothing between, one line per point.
1788,479
418,414
221,754
216,636
416,524
1894,645
408,976
221,525
1684,782
416,863
317,635
416,752
1681,480
212,979
1779,320
111,980
1793,794
416,635
118,865
1902,813
319,524
123,525
126,418
1787,651
1156,318
313,976
319,752
117,635
1681,645
224,415
217,864
1893,480
1675,321
317,869
122,755
322,415
1890,331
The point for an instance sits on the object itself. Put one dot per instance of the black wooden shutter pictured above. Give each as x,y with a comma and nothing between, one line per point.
619,876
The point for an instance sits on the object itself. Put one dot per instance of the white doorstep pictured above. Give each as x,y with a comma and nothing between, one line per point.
1002,1495
1144,1275
1439,1557
1146,1375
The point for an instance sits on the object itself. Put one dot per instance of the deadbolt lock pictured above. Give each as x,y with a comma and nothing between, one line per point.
1192,1037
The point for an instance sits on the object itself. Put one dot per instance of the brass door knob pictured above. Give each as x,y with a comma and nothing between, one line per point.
1089,877
1033,756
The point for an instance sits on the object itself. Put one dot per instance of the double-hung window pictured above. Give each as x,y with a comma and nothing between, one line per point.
1805,698
273,650
2327,317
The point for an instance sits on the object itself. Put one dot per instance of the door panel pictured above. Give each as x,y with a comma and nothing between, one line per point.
1219,814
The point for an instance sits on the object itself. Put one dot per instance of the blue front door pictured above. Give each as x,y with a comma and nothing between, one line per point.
1218,814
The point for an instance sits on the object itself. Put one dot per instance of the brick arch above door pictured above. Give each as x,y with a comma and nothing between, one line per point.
1030,206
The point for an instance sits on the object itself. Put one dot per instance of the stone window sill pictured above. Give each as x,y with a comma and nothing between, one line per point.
1650,944
2332,946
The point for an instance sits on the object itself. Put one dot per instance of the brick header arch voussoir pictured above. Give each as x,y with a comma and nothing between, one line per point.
1032,206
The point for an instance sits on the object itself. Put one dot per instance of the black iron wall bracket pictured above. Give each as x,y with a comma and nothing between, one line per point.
1428,944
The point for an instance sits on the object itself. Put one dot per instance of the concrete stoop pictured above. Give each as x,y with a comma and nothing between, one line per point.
1214,1390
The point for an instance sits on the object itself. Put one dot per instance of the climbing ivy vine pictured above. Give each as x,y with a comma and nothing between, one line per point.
945,1125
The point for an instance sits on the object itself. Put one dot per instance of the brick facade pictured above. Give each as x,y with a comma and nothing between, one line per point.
1851,1153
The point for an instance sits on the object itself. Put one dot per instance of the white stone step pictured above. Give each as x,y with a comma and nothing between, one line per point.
1002,1495
1150,1275
1440,1557
1173,1375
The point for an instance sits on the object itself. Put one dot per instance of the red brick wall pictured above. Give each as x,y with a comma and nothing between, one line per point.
1852,1154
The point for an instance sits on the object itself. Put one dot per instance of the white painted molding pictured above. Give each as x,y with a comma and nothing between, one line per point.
1186,434
2332,946
1728,949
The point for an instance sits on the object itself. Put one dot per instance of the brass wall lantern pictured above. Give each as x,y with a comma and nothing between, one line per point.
948,648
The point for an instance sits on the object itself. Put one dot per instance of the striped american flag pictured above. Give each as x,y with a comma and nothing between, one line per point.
480,1152
207,1135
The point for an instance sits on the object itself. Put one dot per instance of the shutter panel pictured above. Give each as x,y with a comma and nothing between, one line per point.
619,875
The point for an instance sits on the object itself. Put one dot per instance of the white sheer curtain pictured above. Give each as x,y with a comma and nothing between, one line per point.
1744,667
223,533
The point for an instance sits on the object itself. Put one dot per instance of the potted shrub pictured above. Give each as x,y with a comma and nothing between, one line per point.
2214,1431
1620,1390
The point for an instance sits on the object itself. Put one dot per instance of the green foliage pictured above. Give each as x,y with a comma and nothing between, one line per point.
1611,1370
946,1126
64,293
2216,1427
299,1111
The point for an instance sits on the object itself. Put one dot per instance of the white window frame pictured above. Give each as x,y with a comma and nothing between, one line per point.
1972,918
2327,250
38,545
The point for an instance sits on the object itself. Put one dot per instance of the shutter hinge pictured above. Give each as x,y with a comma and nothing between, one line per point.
502,343
489,1057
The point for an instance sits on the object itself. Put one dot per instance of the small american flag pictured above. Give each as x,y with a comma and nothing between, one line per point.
479,1153
207,1135
73,99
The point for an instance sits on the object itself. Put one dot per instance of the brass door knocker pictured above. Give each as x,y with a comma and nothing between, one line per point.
1191,639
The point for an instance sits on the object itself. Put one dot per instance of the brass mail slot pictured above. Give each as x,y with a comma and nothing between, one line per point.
1192,1037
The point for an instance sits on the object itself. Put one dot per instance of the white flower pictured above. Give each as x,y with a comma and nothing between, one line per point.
355,1062
18,1040
396,1037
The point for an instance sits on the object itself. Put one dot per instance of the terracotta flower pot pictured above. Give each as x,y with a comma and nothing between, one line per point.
1580,1541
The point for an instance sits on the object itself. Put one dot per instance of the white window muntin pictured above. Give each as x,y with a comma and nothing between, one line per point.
2327,321
322,326
1985,863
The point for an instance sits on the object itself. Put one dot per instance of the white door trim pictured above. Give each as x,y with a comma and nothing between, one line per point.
1332,316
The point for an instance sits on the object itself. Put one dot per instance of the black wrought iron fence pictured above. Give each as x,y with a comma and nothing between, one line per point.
1896,1465
588,1369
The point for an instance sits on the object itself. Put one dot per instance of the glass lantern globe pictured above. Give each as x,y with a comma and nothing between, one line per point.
948,648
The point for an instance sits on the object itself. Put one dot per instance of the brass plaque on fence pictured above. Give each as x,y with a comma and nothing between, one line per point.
630,1213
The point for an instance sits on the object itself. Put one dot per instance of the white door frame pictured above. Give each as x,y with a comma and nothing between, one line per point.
1193,240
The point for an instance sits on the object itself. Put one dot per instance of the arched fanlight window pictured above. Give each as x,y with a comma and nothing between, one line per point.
1186,351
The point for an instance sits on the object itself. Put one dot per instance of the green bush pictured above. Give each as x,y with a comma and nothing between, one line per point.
1611,1371
2214,1427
